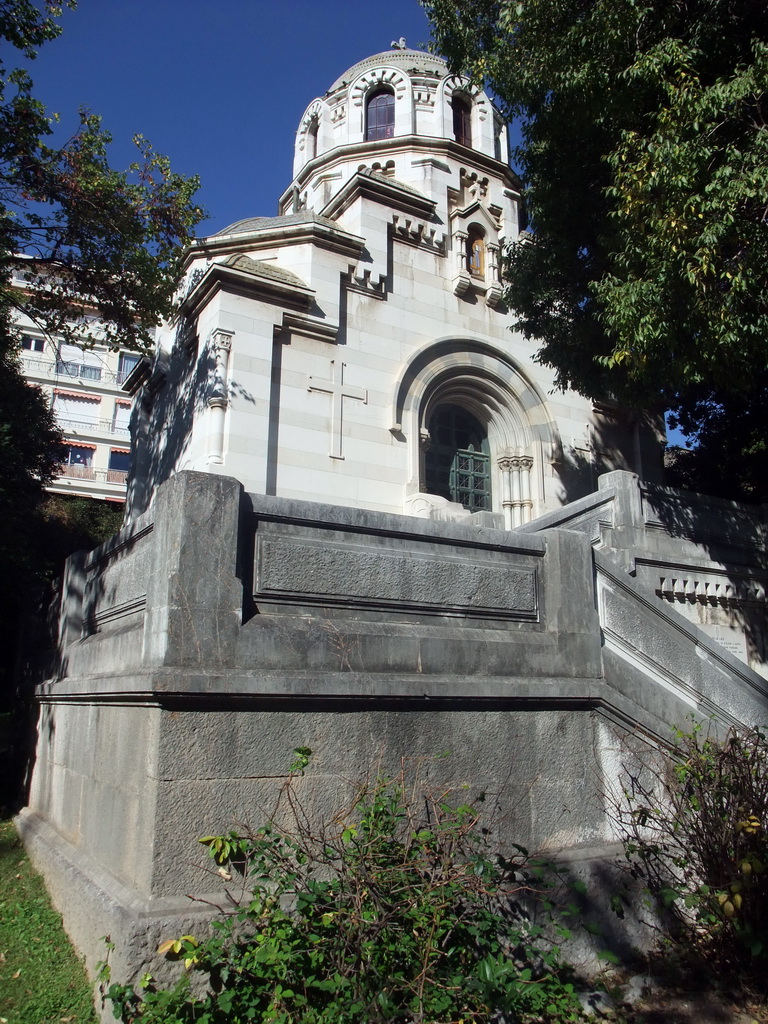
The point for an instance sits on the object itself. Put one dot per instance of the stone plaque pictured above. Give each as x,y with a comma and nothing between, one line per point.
311,571
733,640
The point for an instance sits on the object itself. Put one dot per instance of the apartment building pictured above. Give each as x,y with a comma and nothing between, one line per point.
83,386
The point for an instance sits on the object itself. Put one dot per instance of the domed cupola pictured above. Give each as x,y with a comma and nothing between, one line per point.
398,100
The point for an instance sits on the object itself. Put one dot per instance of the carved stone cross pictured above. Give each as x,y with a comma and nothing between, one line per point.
338,391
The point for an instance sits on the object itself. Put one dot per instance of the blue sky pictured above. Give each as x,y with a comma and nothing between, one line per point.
217,87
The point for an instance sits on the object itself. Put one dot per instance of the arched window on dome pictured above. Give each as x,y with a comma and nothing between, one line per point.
380,115
462,120
476,252
457,462
314,127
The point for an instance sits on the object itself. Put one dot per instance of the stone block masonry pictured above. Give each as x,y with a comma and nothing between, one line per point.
221,630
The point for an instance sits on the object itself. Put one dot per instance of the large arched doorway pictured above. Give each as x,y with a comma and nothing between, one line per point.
457,463
479,431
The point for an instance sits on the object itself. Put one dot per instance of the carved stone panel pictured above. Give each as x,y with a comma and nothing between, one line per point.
344,571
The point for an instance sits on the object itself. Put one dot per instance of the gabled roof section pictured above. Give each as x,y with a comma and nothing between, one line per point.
476,212
260,268
291,229
259,223
256,279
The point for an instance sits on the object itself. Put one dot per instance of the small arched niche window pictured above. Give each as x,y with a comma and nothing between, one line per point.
457,462
314,127
462,120
380,115
476,252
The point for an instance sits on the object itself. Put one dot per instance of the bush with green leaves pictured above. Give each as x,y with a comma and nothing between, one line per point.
695,822
396,911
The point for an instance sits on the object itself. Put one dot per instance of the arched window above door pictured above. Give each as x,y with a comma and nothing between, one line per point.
380,115
457,461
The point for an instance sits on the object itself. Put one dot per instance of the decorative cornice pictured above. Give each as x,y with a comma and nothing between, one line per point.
363,283
417,232
430,146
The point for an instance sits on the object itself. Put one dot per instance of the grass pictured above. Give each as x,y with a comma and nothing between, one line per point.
41,979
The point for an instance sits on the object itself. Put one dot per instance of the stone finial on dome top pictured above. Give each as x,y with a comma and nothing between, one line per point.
399,44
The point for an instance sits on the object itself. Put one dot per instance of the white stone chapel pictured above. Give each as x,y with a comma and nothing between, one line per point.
362,520
356,348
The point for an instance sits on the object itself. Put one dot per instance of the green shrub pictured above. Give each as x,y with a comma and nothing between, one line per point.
397,911
695,823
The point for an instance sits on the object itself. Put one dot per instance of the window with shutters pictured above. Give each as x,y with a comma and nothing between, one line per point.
76,411
121,418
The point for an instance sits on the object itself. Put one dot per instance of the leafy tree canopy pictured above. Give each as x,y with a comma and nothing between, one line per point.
645,159
101,247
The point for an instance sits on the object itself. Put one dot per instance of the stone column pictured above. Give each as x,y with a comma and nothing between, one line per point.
525,464
516,501
462,279
505,465
460,239
494,290
493,261
221,346
517,518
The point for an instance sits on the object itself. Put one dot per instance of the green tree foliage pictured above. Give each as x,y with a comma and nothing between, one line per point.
694,819
29,441
67,523
98,243
645,160
100,250
730,456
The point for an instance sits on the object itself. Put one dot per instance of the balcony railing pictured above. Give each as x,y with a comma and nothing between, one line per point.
73,371
110,476
93,427
82,370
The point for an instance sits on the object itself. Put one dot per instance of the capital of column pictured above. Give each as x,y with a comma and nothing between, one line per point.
222,339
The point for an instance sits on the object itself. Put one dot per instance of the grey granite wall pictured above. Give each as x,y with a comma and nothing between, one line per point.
221,630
